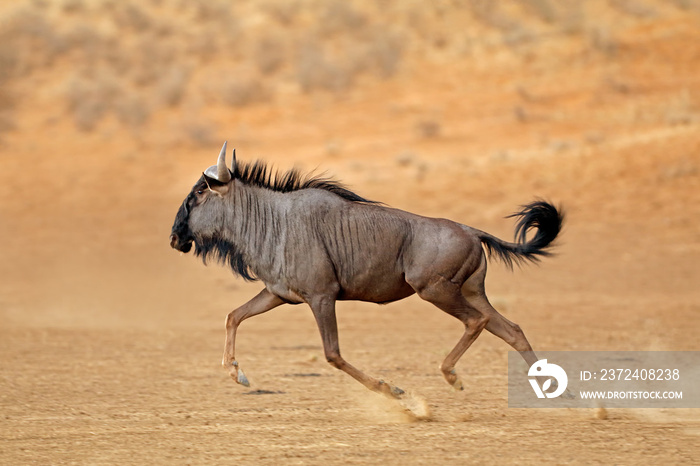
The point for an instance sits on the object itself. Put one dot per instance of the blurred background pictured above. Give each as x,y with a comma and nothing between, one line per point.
110,110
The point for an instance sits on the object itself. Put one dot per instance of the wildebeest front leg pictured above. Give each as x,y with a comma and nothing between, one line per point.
324,312
263,302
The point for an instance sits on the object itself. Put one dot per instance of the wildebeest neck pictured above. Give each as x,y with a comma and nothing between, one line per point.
249,227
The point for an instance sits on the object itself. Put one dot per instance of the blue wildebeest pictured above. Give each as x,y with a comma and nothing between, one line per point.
311,240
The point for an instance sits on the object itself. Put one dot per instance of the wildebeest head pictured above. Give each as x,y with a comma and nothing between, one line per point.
201,213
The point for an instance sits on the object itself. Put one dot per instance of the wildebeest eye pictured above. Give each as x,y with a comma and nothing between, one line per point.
200,192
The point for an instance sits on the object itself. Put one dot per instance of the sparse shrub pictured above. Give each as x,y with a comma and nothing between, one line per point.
543,9
172,86
9,61
428,128
133,111
520,114
88,42
91,99
572,18
199,131
6,122
315,71
284,12
602,40
204,46
152,62
386,50
25,29
340,16
519,39
239,93
131,16
269,54
486,11
680,110
212,11
7,97
242,86
634,8
88,113
73,6
335,65
685,4
405,158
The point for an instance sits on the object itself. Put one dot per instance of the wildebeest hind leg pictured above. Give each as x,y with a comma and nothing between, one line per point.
506,330
448,297
324,312
510,332
262,302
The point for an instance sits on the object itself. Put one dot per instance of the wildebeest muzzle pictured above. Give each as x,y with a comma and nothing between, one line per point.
180,236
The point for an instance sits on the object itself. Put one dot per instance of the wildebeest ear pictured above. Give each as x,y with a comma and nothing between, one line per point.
216,186
233,162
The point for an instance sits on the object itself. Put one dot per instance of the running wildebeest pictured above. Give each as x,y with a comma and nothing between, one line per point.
311,240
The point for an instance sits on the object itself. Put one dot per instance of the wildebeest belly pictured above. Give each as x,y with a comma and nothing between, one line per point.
376,289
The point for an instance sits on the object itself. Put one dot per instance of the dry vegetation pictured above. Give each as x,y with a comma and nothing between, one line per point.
132,60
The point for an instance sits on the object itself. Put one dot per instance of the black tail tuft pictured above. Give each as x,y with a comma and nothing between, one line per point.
540,215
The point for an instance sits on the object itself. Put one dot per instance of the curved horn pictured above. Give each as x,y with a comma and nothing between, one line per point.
219,171
223,174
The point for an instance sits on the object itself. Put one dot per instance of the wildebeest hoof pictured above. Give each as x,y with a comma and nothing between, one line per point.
452,379
242,379
237,374
390,390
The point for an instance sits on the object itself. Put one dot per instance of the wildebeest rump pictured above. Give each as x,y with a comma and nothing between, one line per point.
311,240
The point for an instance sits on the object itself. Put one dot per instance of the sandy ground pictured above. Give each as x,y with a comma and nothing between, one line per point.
111,345
111,341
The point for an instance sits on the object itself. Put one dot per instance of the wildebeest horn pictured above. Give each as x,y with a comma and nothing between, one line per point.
219,171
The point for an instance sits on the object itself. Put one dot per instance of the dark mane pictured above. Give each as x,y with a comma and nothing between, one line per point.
259,174
225,252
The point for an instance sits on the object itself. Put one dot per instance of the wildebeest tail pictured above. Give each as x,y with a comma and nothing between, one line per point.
540,215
